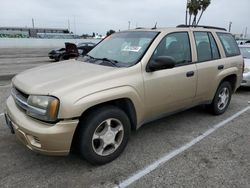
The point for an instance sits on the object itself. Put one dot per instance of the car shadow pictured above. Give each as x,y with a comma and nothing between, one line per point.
243,89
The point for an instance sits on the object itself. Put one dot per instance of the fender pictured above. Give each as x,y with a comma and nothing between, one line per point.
86,102
222,75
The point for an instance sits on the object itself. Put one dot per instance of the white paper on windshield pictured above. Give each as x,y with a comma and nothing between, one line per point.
131,48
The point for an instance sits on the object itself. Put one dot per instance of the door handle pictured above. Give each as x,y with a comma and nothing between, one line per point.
190,74
220,67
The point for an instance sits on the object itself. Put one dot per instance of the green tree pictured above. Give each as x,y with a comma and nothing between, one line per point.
194,6
110,32
190,8
204,4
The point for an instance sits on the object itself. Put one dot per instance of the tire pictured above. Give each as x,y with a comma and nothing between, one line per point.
58,58
103,134
221,99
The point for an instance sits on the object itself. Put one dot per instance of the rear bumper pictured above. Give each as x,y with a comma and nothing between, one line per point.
246,80
39,136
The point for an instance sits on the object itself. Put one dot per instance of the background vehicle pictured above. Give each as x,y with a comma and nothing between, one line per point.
245,51
127,80
242,42
60,54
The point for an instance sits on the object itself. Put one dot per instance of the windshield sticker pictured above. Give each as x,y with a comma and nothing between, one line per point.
131,48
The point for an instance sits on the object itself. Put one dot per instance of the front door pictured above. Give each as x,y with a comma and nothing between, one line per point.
168,90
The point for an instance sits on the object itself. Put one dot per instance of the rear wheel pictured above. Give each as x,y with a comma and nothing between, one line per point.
103,134
221,99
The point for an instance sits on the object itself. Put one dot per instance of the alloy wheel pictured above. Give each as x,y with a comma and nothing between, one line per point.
107,137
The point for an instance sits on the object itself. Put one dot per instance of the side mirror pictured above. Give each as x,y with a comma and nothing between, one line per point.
161,62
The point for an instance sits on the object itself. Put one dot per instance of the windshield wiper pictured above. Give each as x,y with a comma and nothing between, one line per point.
112,62
89,56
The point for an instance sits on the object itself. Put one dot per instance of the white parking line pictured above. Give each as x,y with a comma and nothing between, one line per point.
1,114
176,152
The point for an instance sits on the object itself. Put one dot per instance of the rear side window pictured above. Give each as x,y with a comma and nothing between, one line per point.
229,44
214,47
206,46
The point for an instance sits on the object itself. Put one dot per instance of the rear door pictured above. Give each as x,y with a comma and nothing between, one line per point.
209,64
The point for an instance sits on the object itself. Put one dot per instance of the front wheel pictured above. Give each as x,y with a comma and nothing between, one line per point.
221,99
104,134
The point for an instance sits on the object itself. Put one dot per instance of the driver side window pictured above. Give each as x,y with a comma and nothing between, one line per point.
175,45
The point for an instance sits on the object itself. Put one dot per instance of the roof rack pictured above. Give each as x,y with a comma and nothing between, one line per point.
202,26
140,28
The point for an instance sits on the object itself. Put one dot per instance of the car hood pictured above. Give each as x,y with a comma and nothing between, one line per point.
60,78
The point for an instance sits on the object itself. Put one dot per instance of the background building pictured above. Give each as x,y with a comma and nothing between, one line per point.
25,32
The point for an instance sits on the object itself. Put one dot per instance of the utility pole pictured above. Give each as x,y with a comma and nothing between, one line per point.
69,26
75,24
246,33
33,23
129,25
230,26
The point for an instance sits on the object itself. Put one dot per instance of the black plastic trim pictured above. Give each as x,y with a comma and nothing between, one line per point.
200,26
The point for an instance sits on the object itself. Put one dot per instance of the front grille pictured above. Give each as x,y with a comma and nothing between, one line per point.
22,93
20,98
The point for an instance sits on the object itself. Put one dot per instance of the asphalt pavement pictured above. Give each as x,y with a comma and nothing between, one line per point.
220,159
16,60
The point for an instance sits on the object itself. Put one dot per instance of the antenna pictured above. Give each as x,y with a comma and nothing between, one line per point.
230,26
155,27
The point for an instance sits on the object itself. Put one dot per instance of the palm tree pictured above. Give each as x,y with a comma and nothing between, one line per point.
186,19
190,10
193,7
204,4
196,7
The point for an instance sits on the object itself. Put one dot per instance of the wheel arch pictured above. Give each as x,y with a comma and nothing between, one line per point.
124,104
232,79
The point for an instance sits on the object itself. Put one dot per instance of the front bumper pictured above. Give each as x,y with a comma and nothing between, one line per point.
39,136
246,80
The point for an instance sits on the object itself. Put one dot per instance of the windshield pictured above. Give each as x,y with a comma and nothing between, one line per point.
245,51
123,49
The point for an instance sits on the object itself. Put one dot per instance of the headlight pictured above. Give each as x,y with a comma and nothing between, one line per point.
246,70
43,107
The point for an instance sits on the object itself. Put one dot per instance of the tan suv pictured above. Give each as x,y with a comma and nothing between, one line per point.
127,80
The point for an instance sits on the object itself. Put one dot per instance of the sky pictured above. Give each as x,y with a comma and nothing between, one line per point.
88,16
